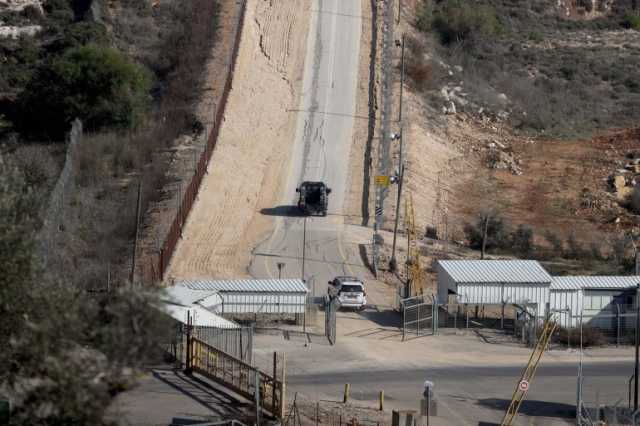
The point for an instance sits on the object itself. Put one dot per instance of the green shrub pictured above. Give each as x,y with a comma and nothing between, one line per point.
631,21
81,33
535,36
523,240
424,16
98,85
498,235
457,21
574,248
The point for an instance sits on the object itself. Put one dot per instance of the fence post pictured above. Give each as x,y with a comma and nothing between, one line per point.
345,399
283,389
617,325
404,321
569,329
275,365
434,317
257,396
466,312
455,318
189,343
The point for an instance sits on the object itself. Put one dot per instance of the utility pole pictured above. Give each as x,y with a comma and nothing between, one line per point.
484,235
393,262
304,243
637,370
401,79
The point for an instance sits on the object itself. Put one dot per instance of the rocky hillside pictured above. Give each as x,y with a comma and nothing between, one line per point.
535,128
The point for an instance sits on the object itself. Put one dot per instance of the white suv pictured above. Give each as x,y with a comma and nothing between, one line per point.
349,291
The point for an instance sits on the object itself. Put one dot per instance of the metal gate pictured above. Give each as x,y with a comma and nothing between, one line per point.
418,316
331,306
237,342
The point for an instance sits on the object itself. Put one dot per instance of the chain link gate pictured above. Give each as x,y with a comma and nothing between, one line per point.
331,306
419,316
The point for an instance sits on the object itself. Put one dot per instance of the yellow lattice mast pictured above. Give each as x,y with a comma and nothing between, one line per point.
522,387
415,275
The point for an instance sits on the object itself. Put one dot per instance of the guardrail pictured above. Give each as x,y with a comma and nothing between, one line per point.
236,375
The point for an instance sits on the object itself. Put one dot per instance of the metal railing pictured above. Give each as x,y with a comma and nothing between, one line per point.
237,375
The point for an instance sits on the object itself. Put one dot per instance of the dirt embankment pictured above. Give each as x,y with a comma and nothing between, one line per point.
254,145
359,199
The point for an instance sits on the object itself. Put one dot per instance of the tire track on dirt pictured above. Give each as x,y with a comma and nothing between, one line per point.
253,147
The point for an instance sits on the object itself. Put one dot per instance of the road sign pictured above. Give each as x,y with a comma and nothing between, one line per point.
523,386
382,180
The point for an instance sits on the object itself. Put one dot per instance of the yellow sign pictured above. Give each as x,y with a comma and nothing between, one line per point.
383,180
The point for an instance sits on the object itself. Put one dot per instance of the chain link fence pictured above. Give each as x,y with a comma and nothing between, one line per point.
53,259
302,411
153,266
610,407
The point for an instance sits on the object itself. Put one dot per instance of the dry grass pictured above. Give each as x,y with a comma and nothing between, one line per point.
110,166
590,337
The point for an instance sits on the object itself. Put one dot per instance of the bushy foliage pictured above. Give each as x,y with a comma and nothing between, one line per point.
498,232
98,85
522,240
632,21
65,352
458,20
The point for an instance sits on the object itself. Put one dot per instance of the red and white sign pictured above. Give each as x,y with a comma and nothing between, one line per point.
523,386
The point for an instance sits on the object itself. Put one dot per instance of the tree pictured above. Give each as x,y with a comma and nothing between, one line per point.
96,84
497,232
19,205
65,352
523,240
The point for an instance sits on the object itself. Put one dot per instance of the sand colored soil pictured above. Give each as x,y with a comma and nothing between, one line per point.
252,152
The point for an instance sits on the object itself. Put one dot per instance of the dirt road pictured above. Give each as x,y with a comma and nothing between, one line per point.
321,153
254,145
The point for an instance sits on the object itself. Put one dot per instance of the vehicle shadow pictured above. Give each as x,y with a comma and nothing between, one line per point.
386,318
532,408
285,211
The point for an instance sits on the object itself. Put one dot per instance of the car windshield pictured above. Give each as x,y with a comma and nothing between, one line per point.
352,288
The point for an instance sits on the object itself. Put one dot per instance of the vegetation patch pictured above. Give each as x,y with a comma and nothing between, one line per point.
563,78
97,84
457,21
631,20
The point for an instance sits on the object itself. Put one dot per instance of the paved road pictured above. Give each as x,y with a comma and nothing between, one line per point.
472,395
320,153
